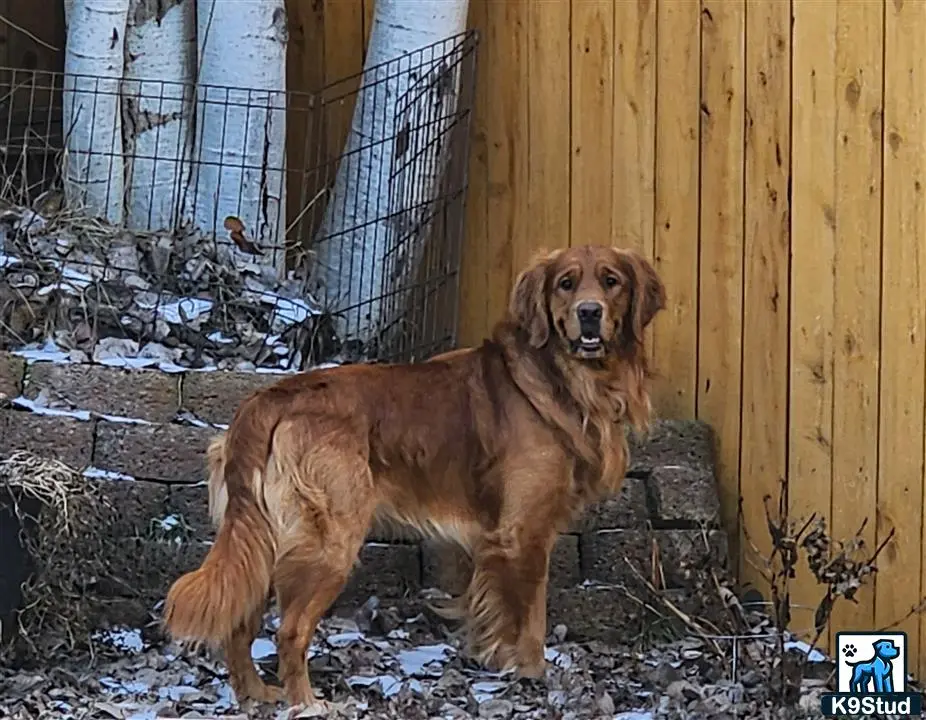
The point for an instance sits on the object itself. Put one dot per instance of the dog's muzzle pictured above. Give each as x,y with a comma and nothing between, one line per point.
589,316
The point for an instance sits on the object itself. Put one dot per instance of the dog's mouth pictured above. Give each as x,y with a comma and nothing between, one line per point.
588,346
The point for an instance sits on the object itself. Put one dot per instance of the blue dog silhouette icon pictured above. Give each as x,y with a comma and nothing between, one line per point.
876,671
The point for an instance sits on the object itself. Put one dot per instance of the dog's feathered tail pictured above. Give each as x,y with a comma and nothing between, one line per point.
233,582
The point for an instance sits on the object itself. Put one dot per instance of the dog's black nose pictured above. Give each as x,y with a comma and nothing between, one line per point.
589,313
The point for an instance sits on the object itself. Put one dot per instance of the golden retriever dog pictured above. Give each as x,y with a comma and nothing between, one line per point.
498,448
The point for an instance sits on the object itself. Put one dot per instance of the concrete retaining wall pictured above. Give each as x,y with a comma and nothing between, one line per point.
137,424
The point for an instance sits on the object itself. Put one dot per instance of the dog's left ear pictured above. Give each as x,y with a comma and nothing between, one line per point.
527,305
648,294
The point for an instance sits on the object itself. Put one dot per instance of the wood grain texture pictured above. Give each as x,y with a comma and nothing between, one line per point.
344,49
903,325
856,330
549,191
507,96
633,165
592,125
720,294
634,146
473,323
813,228
305,137
763,456
675,344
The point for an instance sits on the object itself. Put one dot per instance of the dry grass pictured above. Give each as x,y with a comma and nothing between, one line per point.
61,513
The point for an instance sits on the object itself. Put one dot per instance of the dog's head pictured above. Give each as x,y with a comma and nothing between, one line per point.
886,649
593,300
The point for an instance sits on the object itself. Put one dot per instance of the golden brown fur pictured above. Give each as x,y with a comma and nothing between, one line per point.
497,448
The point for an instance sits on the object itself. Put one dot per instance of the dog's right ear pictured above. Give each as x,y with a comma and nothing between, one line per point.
527,305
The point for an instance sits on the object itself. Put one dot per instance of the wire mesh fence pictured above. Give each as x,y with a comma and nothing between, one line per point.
198,226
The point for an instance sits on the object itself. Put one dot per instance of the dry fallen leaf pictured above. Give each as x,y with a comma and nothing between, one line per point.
236,232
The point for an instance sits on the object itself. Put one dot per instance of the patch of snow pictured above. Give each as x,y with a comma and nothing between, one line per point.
561,660
420,660
124,420
9,261
94,472
178,692
127,639
487,689
184,310
813,655
342,640
125,687
33,406
288,311
47,351
219,339
263,648
72,282
36,406
226,696
171,522
634,715
389,685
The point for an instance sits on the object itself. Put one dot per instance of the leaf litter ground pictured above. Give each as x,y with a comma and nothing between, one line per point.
405,663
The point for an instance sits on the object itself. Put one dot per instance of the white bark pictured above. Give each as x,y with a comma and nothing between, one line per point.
356,231
160,68
241,133
93,67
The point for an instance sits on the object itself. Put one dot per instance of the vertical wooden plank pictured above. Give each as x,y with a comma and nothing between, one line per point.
343,58
763,436
592,124
549,122
856,332
507,25
677,168
305,141
720,295
903,324
813,227
634,150
475,256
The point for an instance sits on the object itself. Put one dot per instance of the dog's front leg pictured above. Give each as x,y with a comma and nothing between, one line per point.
508,599
529,651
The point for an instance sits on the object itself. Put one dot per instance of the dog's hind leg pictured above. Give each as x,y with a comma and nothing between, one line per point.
242,674
334,504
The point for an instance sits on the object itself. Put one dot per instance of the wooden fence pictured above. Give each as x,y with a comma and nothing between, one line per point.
770,156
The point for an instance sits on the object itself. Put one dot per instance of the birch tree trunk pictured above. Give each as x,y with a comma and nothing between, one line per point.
93,68
160,69
355,233
241,133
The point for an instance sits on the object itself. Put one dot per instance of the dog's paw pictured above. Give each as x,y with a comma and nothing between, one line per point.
849,651
318,708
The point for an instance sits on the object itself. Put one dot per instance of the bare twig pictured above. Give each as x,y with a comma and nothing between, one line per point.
19,28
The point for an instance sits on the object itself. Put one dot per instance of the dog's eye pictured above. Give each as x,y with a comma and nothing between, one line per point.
566,283
611,281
